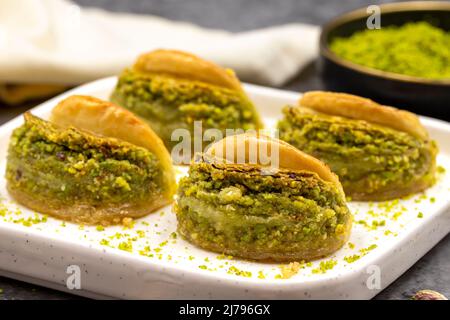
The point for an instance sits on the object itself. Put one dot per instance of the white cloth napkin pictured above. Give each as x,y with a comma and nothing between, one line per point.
55,41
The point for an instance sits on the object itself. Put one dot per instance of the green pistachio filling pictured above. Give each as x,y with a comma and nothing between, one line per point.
69,167
236,210
368,158
168,103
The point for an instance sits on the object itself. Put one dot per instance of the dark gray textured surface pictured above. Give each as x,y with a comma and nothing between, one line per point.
430,272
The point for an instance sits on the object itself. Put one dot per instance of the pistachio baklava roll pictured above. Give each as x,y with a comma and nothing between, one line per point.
92,163
378,152
171,90
238,208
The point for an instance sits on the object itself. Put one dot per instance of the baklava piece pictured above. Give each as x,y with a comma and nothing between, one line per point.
378,152
172,89
92,163
247,210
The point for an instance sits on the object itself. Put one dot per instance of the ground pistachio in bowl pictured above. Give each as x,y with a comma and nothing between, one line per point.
416,49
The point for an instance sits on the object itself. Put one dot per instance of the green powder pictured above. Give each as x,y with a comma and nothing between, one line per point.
416,49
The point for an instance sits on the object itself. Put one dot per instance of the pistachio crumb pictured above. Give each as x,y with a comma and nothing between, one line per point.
324,266
352,258
290,270
238,272
365,251
104,242
126,246
128,222
440,169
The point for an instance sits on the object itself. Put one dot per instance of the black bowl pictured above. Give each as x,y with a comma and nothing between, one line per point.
422,96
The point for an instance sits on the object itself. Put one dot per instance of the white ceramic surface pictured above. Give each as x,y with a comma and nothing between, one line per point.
162,265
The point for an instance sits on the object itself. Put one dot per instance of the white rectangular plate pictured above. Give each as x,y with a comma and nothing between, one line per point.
387,238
